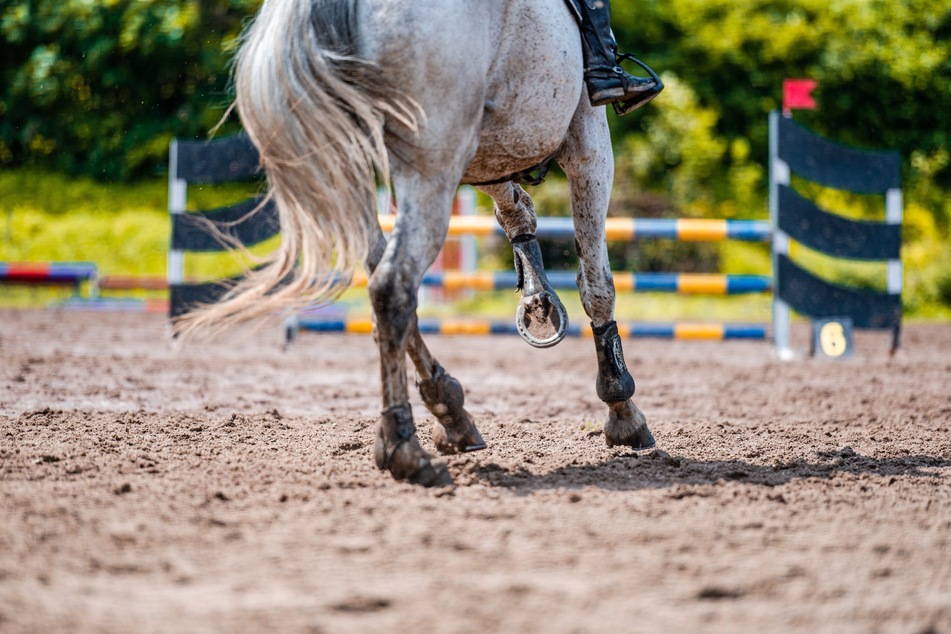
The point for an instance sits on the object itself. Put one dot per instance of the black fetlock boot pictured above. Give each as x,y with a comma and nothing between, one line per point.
607,81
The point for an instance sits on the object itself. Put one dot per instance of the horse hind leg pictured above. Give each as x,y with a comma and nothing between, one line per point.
589,165
541,319
454,431
392,288
397,448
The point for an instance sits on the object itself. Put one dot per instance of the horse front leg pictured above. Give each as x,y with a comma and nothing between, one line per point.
541,319
589,164
454,430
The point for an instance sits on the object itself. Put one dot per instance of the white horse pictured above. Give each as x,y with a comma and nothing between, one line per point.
424,95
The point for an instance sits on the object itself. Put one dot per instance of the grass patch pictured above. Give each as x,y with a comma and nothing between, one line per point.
123,228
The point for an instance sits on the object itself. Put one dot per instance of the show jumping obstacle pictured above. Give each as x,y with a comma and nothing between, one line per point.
794,150
219,161
803,153
227,160
77,274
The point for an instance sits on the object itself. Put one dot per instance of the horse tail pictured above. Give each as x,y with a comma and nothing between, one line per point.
317,115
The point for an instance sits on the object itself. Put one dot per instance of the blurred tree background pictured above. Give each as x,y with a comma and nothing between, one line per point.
96,89
99,88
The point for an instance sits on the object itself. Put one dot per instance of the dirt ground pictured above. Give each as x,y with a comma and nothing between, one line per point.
230,487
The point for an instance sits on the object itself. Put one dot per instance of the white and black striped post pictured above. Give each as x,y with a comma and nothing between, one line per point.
894,279
177,201
779,174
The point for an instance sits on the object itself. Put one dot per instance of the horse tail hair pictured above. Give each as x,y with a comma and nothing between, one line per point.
318,116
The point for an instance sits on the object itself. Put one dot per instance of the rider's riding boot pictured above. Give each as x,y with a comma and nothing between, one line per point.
607,81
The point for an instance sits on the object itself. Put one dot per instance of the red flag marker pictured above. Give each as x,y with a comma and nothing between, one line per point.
797,95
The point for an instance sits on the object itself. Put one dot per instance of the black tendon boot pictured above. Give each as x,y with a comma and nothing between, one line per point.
615,384
607,81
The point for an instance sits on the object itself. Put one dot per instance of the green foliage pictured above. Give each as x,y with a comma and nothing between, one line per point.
884,68
99,88
680,152
884,73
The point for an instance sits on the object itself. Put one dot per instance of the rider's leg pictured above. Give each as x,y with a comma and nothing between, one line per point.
607,81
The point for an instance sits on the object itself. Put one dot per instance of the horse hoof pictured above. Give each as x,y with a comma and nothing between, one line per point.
627,426
541,320
432,474
449,443
454,431
642,440
408,462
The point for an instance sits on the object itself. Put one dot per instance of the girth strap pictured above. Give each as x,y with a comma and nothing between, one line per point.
532,176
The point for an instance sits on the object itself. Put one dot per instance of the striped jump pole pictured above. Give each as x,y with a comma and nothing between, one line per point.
617,229
97,303
684,283
116,304
696,331
51,274
680,229
132,283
